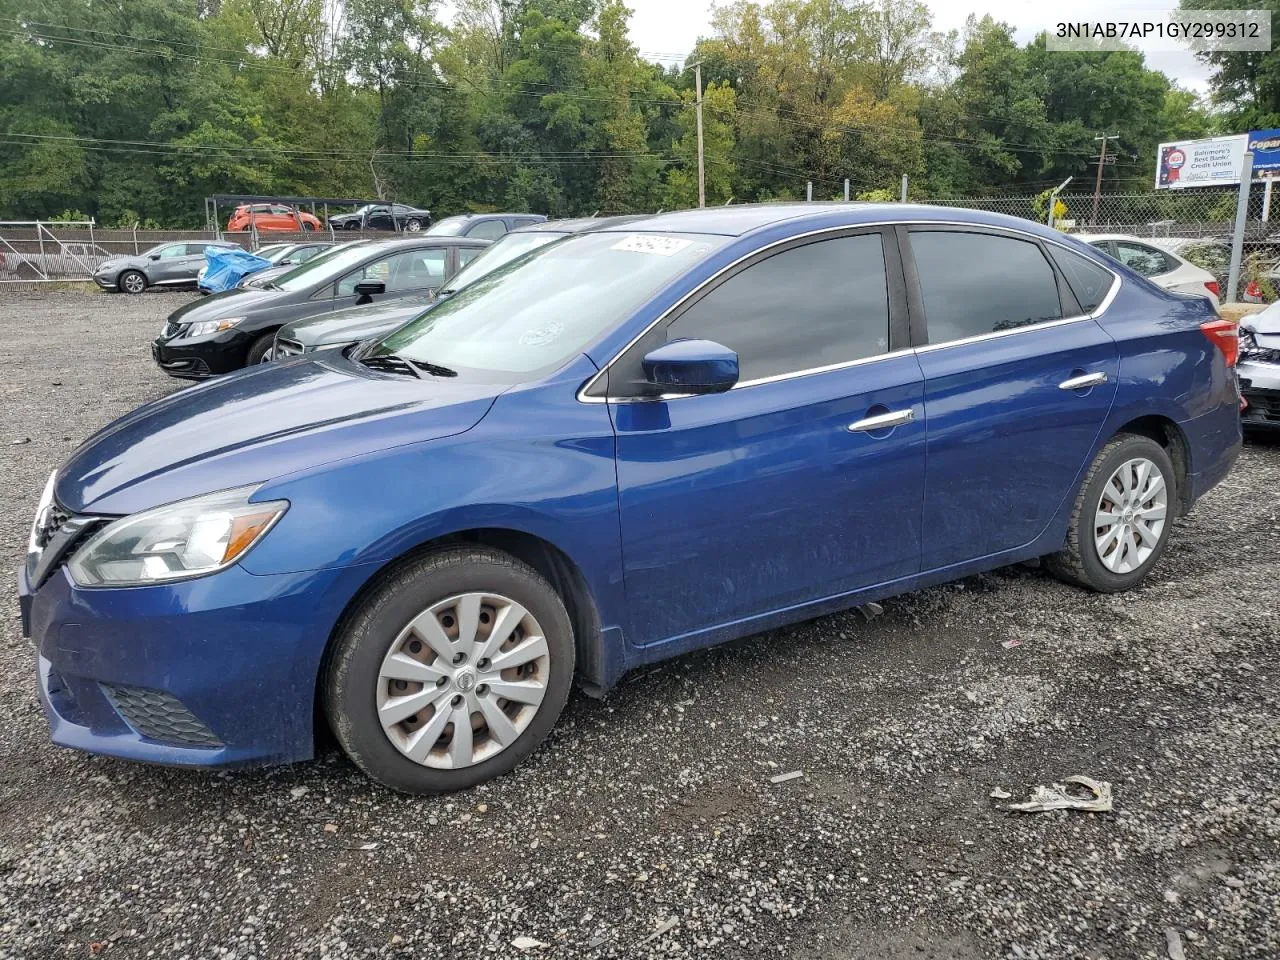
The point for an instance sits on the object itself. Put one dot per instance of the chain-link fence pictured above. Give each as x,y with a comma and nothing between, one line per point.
36,252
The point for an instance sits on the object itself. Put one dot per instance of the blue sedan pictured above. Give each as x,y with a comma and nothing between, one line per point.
628,444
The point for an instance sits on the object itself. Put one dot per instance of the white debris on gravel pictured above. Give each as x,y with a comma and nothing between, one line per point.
650,805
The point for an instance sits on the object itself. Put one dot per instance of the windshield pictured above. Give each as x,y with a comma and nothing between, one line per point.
272,252
534,313
324,267
448,227
499,255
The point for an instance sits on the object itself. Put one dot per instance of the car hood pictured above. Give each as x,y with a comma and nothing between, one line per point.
264,422
1265,326
267,274
356,323
228,303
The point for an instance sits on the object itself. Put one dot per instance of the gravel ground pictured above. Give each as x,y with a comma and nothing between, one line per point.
648,826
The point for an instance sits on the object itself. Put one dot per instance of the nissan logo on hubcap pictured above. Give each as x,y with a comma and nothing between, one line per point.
465,681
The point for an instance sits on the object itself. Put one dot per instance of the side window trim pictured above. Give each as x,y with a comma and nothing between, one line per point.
1070,309
656,334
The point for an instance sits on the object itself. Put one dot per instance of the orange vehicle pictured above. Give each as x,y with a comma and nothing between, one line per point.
271,216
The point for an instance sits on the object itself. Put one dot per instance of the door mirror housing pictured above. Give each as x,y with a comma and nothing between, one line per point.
154,256
691,366
369,288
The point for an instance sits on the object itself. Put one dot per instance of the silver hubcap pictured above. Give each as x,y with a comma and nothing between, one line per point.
1131,515
463,680
133,283
413,226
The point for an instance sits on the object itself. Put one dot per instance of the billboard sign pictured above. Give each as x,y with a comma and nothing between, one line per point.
1215,162
1265,146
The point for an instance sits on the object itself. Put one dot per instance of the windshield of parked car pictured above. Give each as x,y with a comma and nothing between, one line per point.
448,227
534,313
323,267
510,247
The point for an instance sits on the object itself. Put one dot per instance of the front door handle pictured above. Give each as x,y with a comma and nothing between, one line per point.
883,421
1083,382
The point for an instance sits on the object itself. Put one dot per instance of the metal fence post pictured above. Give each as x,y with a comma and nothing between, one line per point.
846,189
904,188
1053,201
1237,238
1266,200
808,190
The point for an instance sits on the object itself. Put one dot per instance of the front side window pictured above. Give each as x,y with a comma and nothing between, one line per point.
488,230
534,313
980,283
324,269
467,254
1142,259
171,250
812,306
411,270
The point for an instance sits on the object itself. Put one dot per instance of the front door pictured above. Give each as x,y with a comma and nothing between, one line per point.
782,490
1018,381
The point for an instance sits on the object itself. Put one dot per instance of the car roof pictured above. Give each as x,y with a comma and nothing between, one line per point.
742,219
579,224
428,240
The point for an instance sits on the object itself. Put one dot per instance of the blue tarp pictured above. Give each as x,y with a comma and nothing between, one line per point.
225,268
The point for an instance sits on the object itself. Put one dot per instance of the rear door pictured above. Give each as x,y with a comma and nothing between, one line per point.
782,490
1018,380
488,229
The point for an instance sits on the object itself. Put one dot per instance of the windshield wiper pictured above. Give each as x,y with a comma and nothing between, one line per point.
392,363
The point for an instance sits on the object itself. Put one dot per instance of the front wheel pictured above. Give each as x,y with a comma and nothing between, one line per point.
132,281
307,226
451,672
413,226
1122,518
260,351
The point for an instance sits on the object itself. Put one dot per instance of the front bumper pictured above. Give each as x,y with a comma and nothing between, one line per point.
106,283
1260,388
215,671
201,359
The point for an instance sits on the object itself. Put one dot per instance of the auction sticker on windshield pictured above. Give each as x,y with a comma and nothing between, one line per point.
652,243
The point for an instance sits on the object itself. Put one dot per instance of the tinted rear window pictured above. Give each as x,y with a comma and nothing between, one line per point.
980,283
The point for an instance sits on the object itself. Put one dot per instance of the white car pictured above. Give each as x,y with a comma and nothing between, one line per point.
1157,263
1259,368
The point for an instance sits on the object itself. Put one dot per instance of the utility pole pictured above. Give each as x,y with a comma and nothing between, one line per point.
1097,184
702,177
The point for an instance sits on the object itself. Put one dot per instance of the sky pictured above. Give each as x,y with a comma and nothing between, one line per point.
667,29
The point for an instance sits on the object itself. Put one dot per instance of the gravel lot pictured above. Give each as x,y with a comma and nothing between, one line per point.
648,826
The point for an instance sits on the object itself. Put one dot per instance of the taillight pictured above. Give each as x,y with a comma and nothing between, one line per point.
1224,335
1212,287
1253,290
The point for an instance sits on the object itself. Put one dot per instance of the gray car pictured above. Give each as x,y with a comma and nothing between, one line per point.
174,264
345,327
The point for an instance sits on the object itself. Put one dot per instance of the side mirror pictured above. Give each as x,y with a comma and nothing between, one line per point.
691,366
154,256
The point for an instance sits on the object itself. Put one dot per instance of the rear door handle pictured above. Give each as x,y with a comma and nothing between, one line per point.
1083,382
883,421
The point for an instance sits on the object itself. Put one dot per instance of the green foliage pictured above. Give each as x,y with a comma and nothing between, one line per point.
136,110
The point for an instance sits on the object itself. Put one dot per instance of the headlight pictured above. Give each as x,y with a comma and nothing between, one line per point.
205,327
42,513
174,542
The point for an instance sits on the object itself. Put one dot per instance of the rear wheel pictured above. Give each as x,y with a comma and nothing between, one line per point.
260,350
1122,518
413,225
132,281
308,226
450,673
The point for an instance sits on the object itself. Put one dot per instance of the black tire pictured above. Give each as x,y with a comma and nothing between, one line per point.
351,672
260,349
413,225
349,225
1079,562
132,282
307,226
